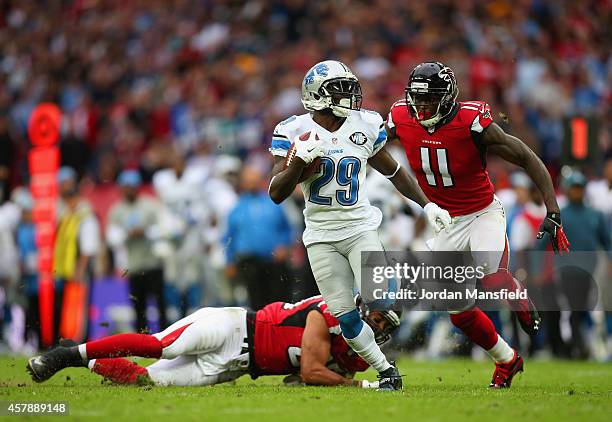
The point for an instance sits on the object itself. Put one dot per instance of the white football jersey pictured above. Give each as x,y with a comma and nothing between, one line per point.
337,205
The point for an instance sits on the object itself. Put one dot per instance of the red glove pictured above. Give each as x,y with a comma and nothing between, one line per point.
552,226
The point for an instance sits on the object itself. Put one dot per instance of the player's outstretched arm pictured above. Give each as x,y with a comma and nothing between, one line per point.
515,151
386,165
407,185
284,179
316,346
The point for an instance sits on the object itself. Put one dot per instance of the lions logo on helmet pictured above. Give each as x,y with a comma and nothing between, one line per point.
331,85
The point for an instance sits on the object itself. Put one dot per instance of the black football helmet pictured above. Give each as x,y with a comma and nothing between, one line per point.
369,316
431,92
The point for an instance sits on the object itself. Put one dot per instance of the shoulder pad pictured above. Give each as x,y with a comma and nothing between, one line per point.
399,103
371,117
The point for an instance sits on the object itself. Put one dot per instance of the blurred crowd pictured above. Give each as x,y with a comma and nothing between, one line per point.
168,108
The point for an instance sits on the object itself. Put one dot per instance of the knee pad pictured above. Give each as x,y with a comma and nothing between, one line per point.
350,324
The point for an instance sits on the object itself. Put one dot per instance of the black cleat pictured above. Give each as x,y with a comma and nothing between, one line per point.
526,313
529,320
390,380
40,369
43,367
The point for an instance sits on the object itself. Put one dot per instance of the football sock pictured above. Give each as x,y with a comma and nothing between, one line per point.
120,345
363,343
350,324
120,370
501,352
477,326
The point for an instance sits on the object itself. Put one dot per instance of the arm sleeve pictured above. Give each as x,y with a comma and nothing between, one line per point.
281,139
380,138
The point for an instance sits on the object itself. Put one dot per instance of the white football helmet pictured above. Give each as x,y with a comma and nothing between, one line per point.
331,84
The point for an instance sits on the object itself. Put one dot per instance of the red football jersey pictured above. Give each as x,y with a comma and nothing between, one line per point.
449,164
279,327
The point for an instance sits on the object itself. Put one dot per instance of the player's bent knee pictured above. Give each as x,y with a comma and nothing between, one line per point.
340,303
350,324
171,344
498,280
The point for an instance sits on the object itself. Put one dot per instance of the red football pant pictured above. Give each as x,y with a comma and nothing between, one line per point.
502,279
477,326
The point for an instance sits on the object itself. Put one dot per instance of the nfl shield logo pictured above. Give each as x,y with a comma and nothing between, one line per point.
335,141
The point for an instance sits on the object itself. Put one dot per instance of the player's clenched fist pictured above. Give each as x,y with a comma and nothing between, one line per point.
439,218
309,149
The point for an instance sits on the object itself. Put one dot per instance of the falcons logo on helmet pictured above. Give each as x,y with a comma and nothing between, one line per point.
447,74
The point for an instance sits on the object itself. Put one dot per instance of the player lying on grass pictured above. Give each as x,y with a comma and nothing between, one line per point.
215,345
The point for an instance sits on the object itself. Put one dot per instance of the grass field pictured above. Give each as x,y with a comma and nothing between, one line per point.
451,389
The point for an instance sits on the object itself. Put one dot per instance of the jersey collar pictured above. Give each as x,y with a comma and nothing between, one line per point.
450,116
319,127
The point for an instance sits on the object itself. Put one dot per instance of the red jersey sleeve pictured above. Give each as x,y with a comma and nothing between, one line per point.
393,115
483,117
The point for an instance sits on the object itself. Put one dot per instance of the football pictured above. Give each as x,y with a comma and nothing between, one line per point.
311,168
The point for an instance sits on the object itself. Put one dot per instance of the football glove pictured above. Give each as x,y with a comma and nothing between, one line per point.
308,149
439,218
552,226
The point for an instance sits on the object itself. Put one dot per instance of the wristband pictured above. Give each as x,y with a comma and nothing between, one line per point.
394,173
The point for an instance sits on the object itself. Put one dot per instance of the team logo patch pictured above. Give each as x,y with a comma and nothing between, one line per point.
358,138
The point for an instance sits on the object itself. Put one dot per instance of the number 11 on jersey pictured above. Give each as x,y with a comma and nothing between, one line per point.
441,154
